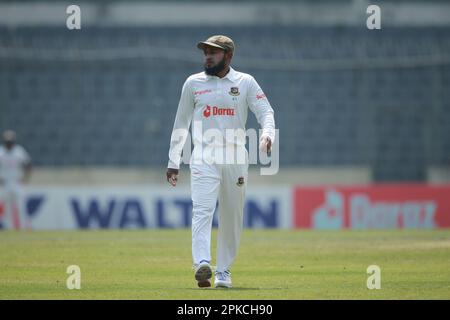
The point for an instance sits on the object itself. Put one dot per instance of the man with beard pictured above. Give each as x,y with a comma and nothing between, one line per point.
217,100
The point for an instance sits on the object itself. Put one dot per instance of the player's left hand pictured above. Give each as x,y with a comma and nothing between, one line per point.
265,144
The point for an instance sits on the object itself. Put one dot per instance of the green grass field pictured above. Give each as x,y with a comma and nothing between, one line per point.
274,264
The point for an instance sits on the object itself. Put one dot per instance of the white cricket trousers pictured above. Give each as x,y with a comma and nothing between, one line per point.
14,215
227,183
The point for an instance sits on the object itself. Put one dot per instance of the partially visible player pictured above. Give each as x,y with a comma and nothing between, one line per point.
15,170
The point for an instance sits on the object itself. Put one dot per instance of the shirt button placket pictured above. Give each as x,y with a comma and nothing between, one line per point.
218,88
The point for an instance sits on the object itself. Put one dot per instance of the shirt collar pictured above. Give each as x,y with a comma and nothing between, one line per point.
231,74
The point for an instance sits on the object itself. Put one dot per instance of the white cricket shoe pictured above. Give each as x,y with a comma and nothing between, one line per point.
203,274
223,279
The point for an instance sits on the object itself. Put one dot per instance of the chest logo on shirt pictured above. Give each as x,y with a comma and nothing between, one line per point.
234,91
216,111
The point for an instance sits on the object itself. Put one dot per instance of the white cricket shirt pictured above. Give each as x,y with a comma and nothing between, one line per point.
210,102
12,163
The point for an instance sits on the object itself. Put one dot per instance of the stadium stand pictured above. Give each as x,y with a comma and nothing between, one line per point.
345,96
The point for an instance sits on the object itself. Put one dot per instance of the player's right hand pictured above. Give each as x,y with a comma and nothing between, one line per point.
172,176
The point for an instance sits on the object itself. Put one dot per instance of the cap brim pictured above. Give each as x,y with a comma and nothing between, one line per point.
203,44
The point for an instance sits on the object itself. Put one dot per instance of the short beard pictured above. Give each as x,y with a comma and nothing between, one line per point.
216,69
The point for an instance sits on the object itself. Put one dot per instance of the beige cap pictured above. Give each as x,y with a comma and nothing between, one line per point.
9,136
218,41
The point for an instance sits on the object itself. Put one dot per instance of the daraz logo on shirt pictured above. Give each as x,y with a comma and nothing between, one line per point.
216,111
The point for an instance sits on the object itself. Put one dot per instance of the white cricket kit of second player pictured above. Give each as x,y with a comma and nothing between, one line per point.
12,164
210,102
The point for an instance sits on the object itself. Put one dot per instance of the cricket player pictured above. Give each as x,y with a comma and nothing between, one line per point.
15,169
217,100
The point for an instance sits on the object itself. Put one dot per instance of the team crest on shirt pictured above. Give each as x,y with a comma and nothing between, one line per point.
240,181
234,91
